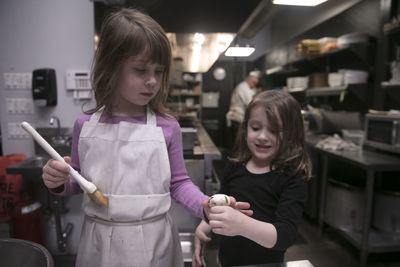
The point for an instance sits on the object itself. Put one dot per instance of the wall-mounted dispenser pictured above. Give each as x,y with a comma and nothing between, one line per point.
44,87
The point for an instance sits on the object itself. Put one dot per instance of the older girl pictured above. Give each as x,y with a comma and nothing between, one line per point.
131,148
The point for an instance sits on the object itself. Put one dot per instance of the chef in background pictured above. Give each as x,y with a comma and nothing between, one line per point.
241,97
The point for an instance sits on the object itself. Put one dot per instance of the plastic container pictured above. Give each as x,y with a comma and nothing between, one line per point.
335,79
352,38
354,76
344,206
188,137
326,40
355,136
386,215
297,82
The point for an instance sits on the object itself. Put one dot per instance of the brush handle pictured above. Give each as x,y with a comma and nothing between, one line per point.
84,184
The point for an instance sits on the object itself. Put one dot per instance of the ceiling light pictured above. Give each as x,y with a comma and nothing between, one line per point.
223,41
298,2
237,51
198,38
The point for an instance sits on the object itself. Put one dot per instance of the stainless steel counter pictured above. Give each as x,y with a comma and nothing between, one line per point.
299,263
207,148
198,163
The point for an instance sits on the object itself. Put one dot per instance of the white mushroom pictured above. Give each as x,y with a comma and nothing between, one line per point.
219,200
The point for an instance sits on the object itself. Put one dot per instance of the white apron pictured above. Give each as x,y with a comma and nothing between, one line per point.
129,163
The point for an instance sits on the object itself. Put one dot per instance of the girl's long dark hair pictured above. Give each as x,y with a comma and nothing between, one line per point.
124,34
284,113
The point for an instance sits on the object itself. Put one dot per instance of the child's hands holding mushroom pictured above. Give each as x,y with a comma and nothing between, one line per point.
219,200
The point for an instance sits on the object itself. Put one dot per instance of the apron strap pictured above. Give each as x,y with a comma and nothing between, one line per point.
151,117
96,116
129,223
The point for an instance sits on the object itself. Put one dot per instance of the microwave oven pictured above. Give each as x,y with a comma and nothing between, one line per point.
383,132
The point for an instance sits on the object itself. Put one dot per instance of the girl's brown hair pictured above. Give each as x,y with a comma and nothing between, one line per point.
124,34
283,113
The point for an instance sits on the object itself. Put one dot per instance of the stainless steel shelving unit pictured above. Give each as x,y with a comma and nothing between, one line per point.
368,240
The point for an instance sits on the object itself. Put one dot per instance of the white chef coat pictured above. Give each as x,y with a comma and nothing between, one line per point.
241,97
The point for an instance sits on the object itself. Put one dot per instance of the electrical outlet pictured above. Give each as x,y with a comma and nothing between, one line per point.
15,131
25,105
10,105
19,105
17,80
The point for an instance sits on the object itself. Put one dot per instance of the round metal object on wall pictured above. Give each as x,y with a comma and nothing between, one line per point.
219,73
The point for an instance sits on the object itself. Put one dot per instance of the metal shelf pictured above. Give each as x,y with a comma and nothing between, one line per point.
296,90
377,241
393,90
326,91
390,86
353,52
393,31
359,91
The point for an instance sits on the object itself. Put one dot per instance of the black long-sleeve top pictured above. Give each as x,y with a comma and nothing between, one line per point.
275,197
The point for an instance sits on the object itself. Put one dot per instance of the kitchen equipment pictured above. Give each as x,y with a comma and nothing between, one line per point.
317,123
395,68
354,76
307,47
386,216
12,185
297,82
86,186
189,102
209,99
326,40
335,79
344,206
44,87
27,221
187,245
355,136
17,252
338,120
352,38
318,79
188,137
327,44
383,132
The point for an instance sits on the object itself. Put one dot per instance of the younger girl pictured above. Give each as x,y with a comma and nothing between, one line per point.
131,149
270,172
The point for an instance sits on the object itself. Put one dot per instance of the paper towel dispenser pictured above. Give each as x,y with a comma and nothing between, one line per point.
44,87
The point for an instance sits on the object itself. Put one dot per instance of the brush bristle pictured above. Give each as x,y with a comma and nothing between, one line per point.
99,198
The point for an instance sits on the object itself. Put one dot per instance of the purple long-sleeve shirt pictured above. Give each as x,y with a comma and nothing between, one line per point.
181,187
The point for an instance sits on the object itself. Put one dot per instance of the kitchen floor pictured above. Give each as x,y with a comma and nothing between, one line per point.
331,249
328,250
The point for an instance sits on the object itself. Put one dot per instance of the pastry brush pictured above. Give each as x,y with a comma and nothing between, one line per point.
86,186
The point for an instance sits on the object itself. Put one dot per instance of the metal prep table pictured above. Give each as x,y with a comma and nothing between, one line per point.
369,240
299,263
198,162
